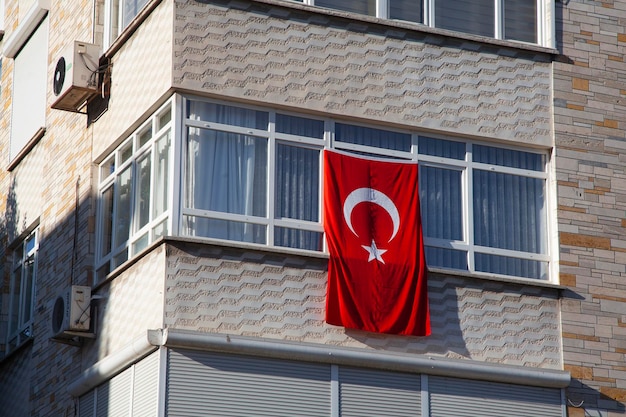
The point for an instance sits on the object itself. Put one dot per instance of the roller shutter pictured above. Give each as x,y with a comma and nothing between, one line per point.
369,393
212,384
450,397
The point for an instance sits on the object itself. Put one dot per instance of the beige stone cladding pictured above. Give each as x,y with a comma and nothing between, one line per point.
127,306
51,186
590,91
290,57
141,75
263,294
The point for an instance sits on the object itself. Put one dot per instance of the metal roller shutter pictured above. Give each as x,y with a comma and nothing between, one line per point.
450,397
369,393
212,384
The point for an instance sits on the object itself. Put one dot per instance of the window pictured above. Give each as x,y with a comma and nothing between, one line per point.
254,175
134,186
22,292
247,182
30,74
119,14
501,19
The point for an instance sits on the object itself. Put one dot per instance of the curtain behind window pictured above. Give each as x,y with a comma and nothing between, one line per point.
227,173
469,16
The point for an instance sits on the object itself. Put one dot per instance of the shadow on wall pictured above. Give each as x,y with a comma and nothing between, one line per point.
447,337
591,402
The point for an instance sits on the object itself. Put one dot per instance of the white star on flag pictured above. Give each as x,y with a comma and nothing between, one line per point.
374,252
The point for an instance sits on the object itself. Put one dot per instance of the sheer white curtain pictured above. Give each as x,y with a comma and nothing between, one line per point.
226,172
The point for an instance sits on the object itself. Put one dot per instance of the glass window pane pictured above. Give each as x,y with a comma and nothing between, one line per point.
141,244
107,221
226,172
299,126
229,115
142,202
123,206
503,265
126,152
15,300
508,158
409,10
441,148
520,20
296,238
131,9
27,300
355,6
297,183
509,212
145,135
441,203
469,16
367,136
224,229
164,118
107,168
446,258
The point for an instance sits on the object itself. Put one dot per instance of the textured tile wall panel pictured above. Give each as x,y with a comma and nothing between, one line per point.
290,57
259,294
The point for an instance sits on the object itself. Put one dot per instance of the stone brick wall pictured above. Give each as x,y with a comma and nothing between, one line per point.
589,94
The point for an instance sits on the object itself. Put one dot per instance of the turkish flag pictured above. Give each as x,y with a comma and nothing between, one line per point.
377,268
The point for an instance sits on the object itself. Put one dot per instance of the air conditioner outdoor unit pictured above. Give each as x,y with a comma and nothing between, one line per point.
76,76
71,314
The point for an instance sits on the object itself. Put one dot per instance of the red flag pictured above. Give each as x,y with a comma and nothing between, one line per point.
377,269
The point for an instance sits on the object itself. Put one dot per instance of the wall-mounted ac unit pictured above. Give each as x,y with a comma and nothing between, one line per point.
71,314
75,77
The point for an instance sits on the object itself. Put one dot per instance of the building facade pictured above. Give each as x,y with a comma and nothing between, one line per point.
163,238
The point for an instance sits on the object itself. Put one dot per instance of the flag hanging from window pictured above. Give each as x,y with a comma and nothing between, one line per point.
377,268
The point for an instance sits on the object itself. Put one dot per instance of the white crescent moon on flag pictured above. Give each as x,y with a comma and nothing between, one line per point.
362,195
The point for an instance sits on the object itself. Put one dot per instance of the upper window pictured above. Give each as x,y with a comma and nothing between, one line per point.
134,186
518,20
30,75
119,14
22,292
255,175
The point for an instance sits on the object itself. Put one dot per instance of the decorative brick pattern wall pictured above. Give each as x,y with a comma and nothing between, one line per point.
217,289
288,57
590,92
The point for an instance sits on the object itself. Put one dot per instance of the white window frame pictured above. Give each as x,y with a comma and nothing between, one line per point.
28,46
108,173
21,257
545,18
178,159
114,20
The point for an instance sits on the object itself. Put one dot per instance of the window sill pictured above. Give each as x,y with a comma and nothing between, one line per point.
416,27
17,349
30,145
483,276
477,276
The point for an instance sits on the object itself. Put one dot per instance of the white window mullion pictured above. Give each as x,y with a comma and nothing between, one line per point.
498,23
429,12
177,168
382,9
271,179
468,215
